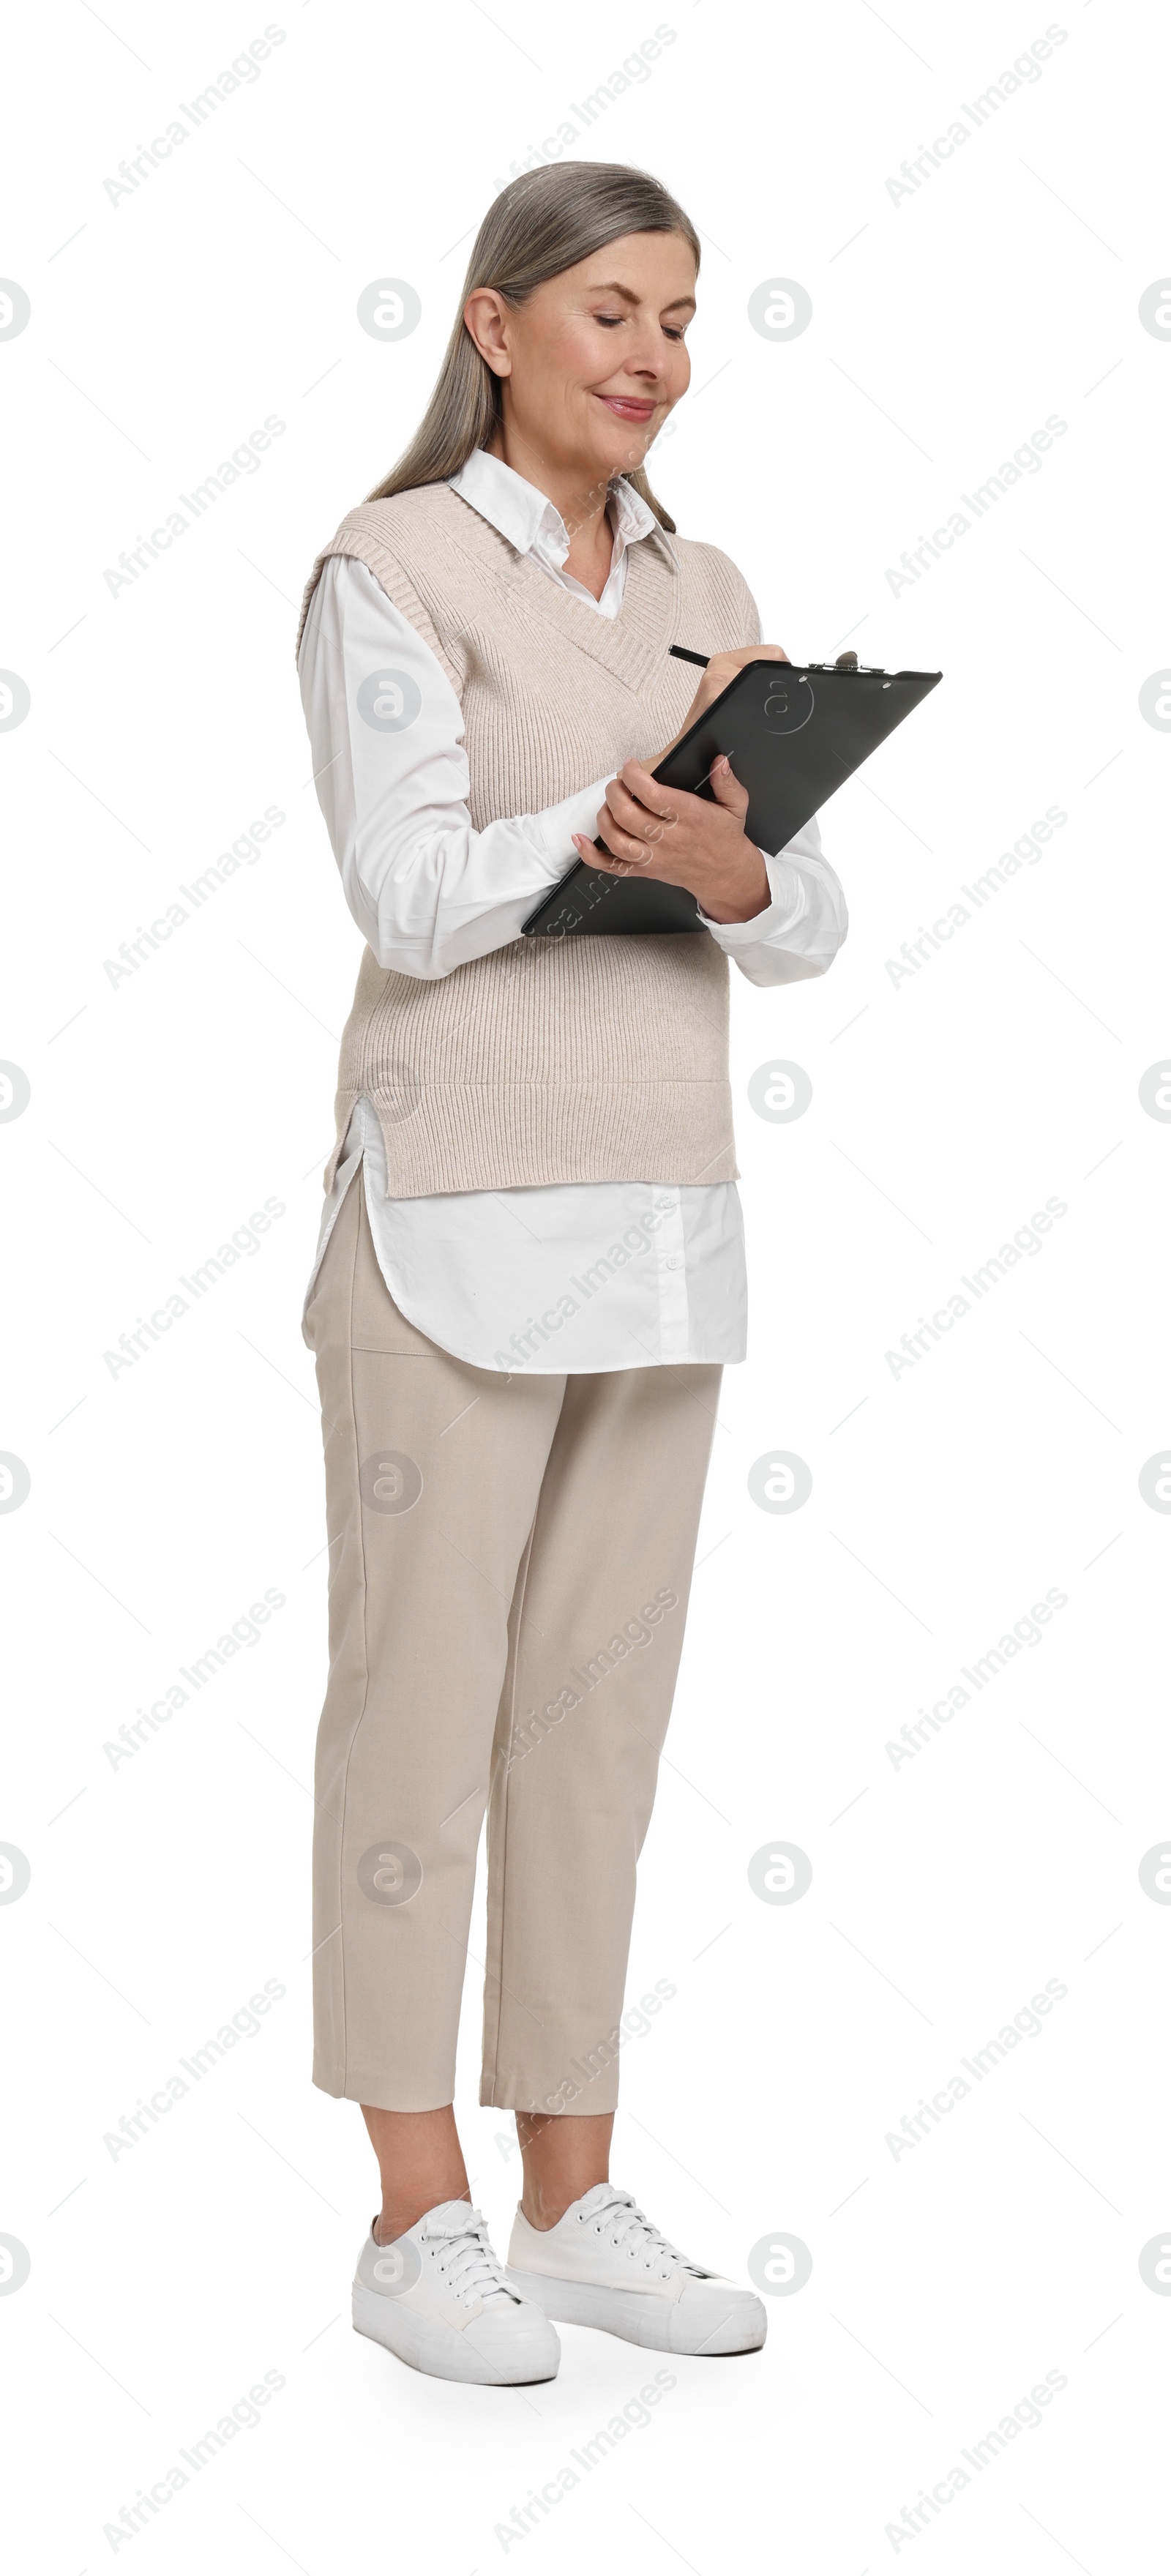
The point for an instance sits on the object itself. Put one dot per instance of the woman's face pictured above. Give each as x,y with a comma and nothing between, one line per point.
595,359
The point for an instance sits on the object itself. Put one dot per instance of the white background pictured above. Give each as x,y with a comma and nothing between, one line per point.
949,2279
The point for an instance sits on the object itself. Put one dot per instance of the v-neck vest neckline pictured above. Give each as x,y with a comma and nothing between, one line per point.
628,645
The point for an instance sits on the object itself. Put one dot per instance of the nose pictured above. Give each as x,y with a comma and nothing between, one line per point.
651,355
650,358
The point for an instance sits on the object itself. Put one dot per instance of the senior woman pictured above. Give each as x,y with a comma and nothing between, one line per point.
531,1265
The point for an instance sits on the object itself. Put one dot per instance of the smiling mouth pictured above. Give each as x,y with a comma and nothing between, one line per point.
629,406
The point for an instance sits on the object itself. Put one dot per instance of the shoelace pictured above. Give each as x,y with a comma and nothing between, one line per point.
621,2218
469,2265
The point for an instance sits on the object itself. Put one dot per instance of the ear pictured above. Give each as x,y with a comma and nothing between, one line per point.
486,320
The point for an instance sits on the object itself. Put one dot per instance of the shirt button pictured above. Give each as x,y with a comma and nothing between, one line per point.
674,1261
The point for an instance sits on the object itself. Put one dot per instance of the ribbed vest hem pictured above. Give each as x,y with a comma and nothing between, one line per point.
524,1135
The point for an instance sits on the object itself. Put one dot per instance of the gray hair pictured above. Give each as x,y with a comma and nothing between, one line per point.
544,222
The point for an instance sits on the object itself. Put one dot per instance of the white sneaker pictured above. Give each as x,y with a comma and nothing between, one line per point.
605,2265
438,2298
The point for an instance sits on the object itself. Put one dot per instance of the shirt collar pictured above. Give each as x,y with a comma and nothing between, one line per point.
528,519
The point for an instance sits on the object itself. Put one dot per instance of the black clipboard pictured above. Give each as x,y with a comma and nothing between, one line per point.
794,732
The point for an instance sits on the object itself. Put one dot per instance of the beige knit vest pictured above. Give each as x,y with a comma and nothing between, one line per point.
579,1059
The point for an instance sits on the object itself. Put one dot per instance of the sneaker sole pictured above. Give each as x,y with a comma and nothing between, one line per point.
657,2324
428,2345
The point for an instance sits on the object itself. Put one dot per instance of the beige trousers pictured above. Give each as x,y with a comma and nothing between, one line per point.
510,1560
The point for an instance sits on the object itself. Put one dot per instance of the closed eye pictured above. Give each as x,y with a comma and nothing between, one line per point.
610,322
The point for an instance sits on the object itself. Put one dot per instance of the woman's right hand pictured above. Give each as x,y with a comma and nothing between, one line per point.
720,670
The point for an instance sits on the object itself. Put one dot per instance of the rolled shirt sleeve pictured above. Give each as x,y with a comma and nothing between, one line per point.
800,932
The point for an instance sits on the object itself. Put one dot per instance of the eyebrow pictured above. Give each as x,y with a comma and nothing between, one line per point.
612,287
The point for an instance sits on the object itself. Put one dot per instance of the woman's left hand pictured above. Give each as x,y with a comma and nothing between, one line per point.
682,840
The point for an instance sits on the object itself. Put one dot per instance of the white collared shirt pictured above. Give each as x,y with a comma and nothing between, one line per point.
533,524
578,1276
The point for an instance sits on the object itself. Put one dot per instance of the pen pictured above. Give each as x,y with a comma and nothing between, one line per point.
845,661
